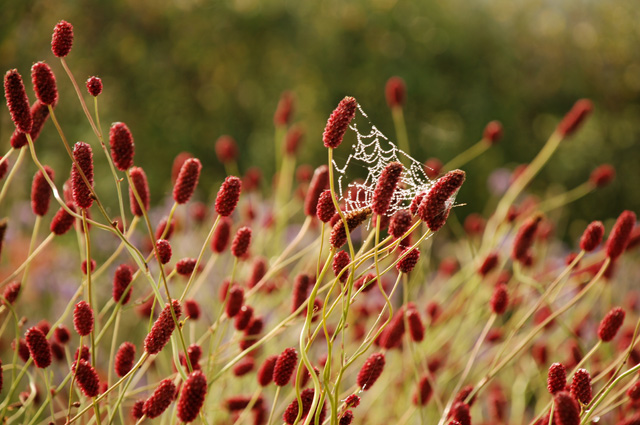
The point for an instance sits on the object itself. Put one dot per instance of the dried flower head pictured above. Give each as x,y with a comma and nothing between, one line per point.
125,358
62,222
94,86
574,118
62,39
611,323
241,242
41,192
83,156
435,205
284,366
83,318
592,236
187,180
385,188
619,236
38,346
161,398
581,386
44,83
339,122
371,371
162,329
319,183
556,378
17,101
226,149
192,396
228,196
355,218
121,281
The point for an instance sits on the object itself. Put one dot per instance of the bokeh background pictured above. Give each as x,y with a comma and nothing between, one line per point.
181,73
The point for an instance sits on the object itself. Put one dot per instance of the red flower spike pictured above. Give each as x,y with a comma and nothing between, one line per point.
62,334
44,83
284,367
178,162
241,242
400,223
192,397
136,409
228,196
395,91
94,86
86,378
162,329
194,352
581,386
244,366
347,418
125,358
432,168
592,236
57,351
121,280
187,180
435,205
556,378
460,413
423,393
17,101
83,155
574,118
221,234
4,167
258,271
41,192
391,337
524,239
352,401
235,299
463,394
371,371
611,323
339,122
355,218
62,222
385,188
252,332
62,39
492,132
192,309
44,326
265,373
340,261
416,328
284,111
122,147
186,266
83,266
300,288
500,299
490,262
226,149
23,349
619,236
83,318
319,183
634,391
566,410
292,140
38,346
291,412
163,251
161,227
408,263
160,399
325,209
243,318
39,114
602,175
11,292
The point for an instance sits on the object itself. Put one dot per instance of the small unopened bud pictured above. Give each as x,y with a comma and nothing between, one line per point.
602,175
94,86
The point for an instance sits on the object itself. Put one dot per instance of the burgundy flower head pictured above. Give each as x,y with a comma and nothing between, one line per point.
83,155
292,139
228,196
121,144
319,183
395,92
435,205
163,250
284,111
592,236
38,346
416,328
355,218
11,292
17,101
385,188
186,266
325,209
192,309
265,373
339,122
284,367
340,261
62,39
460,413
83,318
602,175
243,318
161,398
524,238
41,192
87,378
234,301
574,118
619,236
162,329
611,323
423,393
187,180
62,222
221,235
408,263
500,299
300,288
121,280
194,391
94,86
347,418
258,271
226,149
4,166
371,371
162,226
62,334
493,132
581,386
39,115
241,242
490,262
557,378
125,358
400,223
244,366
44,83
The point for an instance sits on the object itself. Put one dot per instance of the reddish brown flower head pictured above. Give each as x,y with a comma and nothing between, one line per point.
340,261
186,266
41,192
474,224
38,346
194,353
460,413
556,378
44,83
347,418
574,118
416,328
291,412
241,242
355,218
11,292
325,209
163,251
191,309
235,298
395,92
284,367
265,373
619,236
339,122
122,147
592,236
492,132
524,238
499,299
292,140
160,399
57,351
192,396
258,271
240,402
17,101
319,183
400,223
634,391
187,180
83,155
391,337
252,179
4,167
121,280
385,188
125,358
83,318
86,378
490,262
244,366
226,149
611,323
162,329
415,203
94,86
62,222
284,111
136,409
581,386
371,371
62,39
221,235
39,115
228,196
83,266
62,334
160,230
407,264
432,168
435,205
423,393
352,401
300,288
602,175
23,350
243,318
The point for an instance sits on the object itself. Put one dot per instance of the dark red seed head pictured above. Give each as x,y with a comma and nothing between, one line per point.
524,239
39,115
125,358
416,328
83,318
408,263
556,378
592,236
325,209
192,396
44,326
161,398
192,309
395,92
186,266
292,140
611,323
500,299
235,299
291,412
423,392
415,203
57,351
163,251
367,281
187,180
160,230
83,266
284,111
258,271
284,367
23,349
338,236
244,366
87,378
62,334
41,192
228,196
44,83
221,235
122,147
62,222
371,371
265,373
352,401
226,149
11,292
435,205
634,391
385,188
460,413
340,261
83,155
194,353
17,101
581,386
602,175
162,329
432,168
4,167
619,236
243,318
339,122
400,223
574,118
492,132
94,86
300,288
62,39
391,337
121,280
347,418
136,409
241,242
319,183
490,262
38,346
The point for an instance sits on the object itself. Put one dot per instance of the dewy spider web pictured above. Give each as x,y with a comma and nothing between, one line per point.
374,151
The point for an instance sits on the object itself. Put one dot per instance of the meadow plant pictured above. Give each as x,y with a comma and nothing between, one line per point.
225,312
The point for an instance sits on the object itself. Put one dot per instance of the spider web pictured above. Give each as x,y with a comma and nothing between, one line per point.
373,152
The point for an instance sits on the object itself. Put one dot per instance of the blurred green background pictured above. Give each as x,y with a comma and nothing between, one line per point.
181,73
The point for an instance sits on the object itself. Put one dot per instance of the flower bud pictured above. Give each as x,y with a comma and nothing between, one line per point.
44,83
371,371
62,39
187,180
94,86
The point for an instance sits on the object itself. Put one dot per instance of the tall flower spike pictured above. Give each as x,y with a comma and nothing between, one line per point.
62,222
121,280
44,83
125,358
340,261
228,196
435,205
83,318
284,367
122,147
319,183
400,223
62,39
556,378
161,398
192,397
339,122
581,386
371,371
17,101
524,238
385,188
265,373
408,263
83,155
39,115
94,86
423,393
38,346
187,180
611,323
325,209
241,242
162,329
619,236
395,92
41,192
139,180
592,236
574,118
235,300
416,328
163,249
